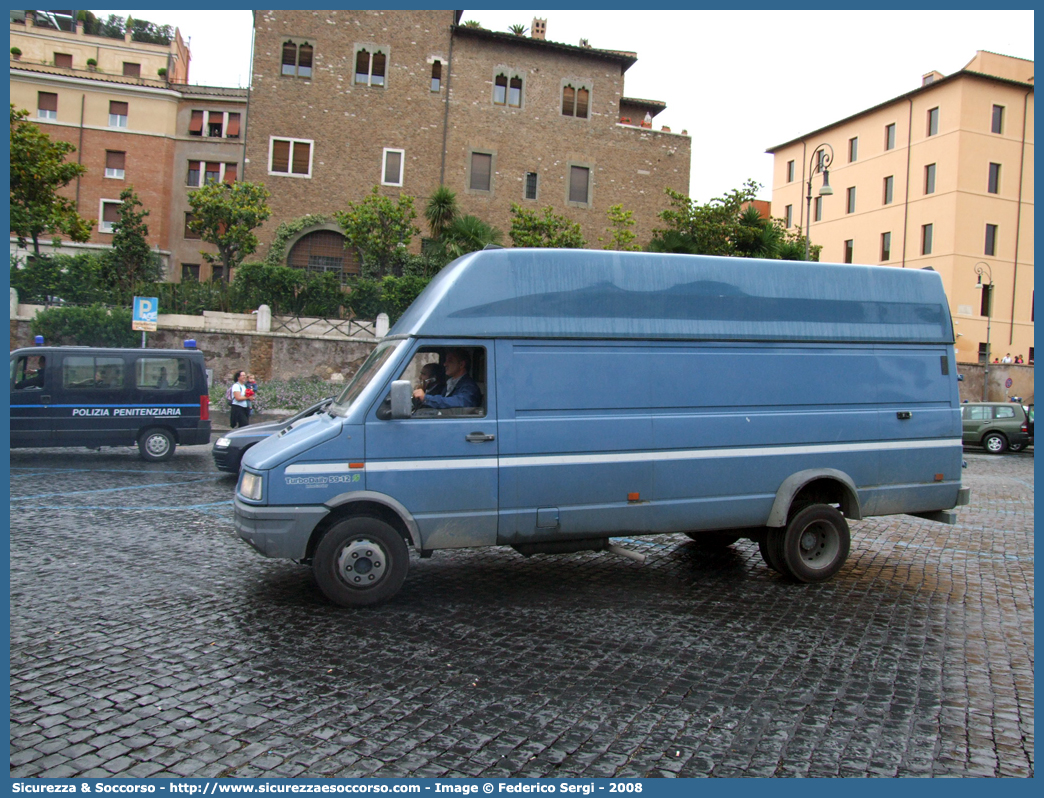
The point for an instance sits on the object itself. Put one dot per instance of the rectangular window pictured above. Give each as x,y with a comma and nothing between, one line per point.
886,246
997,123
531,185
46,105
993,184
217,273
481,172
196,124
161,373
578,184
850,195
189,234
889,188
977,413
189,271
215,123
233,126
788,216
392,173
291,157
115,163
790,171
991,240
986,302
926,239
849,250
231,173
193,174
853,149
212,173
131,70
99,373
63,60
110,214
436,75
890,136
929,179
117,114
933,121
817,215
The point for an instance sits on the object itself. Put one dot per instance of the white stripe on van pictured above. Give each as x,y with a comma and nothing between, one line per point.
521,461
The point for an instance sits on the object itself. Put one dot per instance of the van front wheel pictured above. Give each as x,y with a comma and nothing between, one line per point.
814,545
156,445
361,561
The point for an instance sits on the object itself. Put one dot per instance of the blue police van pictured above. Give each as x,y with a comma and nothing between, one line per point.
611,394
82,396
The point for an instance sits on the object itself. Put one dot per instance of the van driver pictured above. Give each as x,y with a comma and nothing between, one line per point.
461,390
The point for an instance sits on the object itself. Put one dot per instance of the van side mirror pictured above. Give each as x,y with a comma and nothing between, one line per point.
401,399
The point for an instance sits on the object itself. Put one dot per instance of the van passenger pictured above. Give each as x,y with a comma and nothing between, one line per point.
461,390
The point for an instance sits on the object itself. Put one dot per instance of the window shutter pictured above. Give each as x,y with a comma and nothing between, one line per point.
304,61
362,67
115,160
118,108
131,70
63,60
280,156
289,58
111,212
233,126
481,166
301,153
231,171
392,167
578,184
581,103
46,101
196,123
568,100
377,77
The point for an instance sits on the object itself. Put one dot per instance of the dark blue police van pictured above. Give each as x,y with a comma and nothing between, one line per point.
81,396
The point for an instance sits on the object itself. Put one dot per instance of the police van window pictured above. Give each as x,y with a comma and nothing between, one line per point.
27,372
160,373
104,373
448,382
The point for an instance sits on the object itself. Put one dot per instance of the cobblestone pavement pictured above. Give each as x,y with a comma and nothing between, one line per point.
148,640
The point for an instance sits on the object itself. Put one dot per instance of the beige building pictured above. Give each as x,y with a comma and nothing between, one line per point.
940,177
131,126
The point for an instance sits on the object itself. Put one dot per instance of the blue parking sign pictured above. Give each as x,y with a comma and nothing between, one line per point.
146,310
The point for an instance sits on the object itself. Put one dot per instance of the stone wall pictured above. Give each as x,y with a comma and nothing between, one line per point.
1021,382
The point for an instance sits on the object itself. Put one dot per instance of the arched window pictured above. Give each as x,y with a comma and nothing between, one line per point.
370,67
575,101
297,59
323,251
515,92
500,90
436,75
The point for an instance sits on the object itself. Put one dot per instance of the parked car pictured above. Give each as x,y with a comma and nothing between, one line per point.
1015,447
229,449
995,426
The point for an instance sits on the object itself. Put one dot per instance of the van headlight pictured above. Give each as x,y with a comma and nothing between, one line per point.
250,486
222,443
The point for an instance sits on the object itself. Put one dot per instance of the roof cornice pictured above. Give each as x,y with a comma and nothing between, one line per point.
625,59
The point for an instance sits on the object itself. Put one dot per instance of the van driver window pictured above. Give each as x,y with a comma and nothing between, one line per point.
29,373
448,382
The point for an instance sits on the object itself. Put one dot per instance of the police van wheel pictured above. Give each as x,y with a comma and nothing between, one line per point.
767,549
361,561
156,445
814,545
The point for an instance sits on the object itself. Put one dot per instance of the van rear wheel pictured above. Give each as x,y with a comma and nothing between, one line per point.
814,545
156,445
361,561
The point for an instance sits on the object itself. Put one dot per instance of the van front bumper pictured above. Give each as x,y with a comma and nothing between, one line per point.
278,531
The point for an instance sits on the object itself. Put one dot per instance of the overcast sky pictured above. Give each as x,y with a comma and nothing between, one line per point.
738,81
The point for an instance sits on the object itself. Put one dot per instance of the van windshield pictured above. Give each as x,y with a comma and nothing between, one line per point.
378,357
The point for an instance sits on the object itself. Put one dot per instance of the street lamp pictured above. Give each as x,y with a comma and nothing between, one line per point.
822,157
980,267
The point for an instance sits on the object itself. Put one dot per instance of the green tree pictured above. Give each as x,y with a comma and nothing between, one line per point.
518,30
95,325
377,227
621,236
440,210
550,230
468,234
38,171
226,215
131,260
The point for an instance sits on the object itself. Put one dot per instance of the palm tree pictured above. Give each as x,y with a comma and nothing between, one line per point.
467,234
518,30
471,23
440,210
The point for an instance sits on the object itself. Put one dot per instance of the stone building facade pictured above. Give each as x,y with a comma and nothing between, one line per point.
342,101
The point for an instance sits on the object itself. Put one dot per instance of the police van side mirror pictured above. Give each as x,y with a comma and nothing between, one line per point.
401,399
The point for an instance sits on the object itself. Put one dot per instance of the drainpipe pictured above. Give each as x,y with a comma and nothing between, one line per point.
1018,216
445,118
801,205
244,122
79,150
906,201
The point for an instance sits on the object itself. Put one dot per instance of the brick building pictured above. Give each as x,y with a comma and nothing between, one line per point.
940,177
342,101
130,124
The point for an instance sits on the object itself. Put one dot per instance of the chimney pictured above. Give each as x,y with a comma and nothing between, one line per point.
538,30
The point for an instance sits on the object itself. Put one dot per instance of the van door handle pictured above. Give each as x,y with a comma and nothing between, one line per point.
478,437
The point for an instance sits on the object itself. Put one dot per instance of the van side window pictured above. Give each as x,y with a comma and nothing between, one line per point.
105,373
161,373
453,381
27,373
